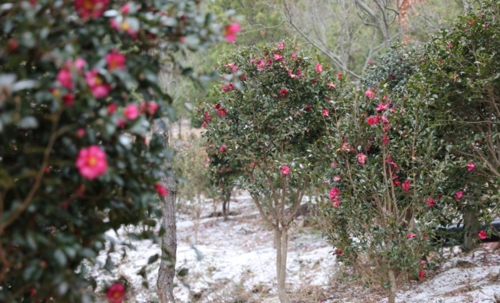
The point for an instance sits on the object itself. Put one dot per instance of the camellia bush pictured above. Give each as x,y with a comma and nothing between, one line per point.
271,112
459,74
388,177
73,159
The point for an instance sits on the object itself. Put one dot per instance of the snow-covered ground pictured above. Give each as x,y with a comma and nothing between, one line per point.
233,261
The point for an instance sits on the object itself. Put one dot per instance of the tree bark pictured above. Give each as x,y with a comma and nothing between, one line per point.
281,253
166,272
394,287
470,229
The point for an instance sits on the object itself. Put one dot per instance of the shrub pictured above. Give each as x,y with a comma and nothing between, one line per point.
73,160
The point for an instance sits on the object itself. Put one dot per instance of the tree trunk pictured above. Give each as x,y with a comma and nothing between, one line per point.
281,256
470,229
394,287
166,273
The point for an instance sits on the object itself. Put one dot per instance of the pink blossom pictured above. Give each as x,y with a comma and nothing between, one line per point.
64,77
336,179
334,164
112,108
411,236
223,149
116,293
90,8
149,107
482,235
80,132
385,139
369,94
459,194
372,120
115,60
340,76
261,65
281,45
98,88
125,9
406,185
277,57
285,170
331,85
294,56
284,91
207,116
319,68
325,112
362,158
204,124
231,30
430,201
162,191
131,111
91,162
470,166
334,194
222,112
382,106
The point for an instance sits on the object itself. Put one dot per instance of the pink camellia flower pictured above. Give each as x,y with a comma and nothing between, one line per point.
336,179
222,112
121,123
204,124
261,65
231,31
382,106
243,78
131,111
372,120
98,88
430,201
125,9
162,191
294,56
340,76
152,107
90,8
369,94
362,158
338,251
406,185
80,132
285,170
217,106
116,293
91,162
112,108
471,166
331,85
411,236
64,78
421,275
223,149
115,60
281,45
277,57
482,235
308,107
336,203
334,164
319,68
284,91
207,116
334,194
385,139
325,112
459,194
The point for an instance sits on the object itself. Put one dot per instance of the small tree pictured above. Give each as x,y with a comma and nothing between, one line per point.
272,110
388,174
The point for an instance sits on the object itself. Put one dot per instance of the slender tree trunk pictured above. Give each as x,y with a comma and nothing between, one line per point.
470,229
394,287
166,273
281,253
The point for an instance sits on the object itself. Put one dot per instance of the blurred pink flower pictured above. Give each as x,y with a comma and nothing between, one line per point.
90,8
285,170
91,162
115,60
231,30
131,112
